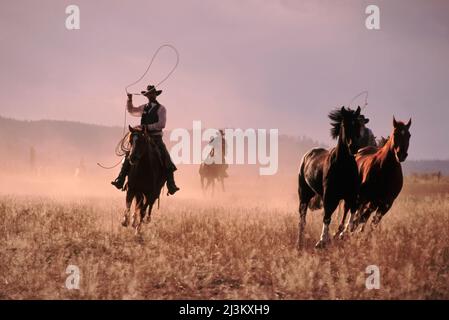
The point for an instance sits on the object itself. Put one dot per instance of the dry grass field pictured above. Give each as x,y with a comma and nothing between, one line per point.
234,246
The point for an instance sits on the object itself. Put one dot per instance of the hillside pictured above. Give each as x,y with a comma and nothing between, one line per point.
64,144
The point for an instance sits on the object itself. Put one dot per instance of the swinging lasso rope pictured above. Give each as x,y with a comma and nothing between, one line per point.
358,95
122,141
151,63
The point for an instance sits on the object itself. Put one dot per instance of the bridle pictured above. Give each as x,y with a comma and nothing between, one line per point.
133,139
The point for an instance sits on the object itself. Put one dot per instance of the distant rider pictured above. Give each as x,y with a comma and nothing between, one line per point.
367,137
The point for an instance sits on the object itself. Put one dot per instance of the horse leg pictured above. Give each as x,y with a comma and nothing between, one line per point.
222,184
208,183
341,226
202,182
330,204
381,211
364,216
352,205
213,187
129,200
150,208
305,194
139,204
354,218
142,212
302,221
352,222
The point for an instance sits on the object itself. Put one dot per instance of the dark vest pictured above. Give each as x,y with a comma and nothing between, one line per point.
150,116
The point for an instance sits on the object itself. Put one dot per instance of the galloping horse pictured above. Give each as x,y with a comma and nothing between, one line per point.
145,178
381,175
332,175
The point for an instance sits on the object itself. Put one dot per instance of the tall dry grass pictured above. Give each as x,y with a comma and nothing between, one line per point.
231,247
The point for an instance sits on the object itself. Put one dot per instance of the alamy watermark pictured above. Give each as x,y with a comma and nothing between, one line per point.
249,146
373,279
372,21
73,280
72,21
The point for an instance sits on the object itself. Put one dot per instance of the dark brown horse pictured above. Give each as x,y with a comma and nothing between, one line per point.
145,178
381,175
332,175
211,172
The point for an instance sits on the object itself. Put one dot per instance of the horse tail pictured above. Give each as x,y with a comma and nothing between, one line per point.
316,202
301,179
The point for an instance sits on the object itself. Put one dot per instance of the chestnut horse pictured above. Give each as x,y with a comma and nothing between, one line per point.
332,175
381,176
145,178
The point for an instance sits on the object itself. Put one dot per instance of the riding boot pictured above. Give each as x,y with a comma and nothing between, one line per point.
120,181
171,186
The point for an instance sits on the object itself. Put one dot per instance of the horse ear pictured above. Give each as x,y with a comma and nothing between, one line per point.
395,124
409,123
357,112
131,129
343,110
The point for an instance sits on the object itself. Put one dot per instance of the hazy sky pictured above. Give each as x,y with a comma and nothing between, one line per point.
260,64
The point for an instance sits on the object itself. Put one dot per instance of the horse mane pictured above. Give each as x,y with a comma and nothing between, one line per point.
336,118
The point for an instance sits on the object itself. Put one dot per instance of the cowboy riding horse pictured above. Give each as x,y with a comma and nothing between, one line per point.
153,118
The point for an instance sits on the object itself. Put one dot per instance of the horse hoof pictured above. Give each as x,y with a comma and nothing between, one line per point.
125,221
339,231
147,220
353,227
321,244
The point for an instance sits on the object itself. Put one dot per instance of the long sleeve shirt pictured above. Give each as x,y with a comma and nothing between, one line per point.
137,112
367,138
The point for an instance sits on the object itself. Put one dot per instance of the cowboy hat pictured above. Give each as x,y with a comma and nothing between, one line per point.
151,88
363,119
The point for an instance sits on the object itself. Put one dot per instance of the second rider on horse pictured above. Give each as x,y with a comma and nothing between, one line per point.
153,118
